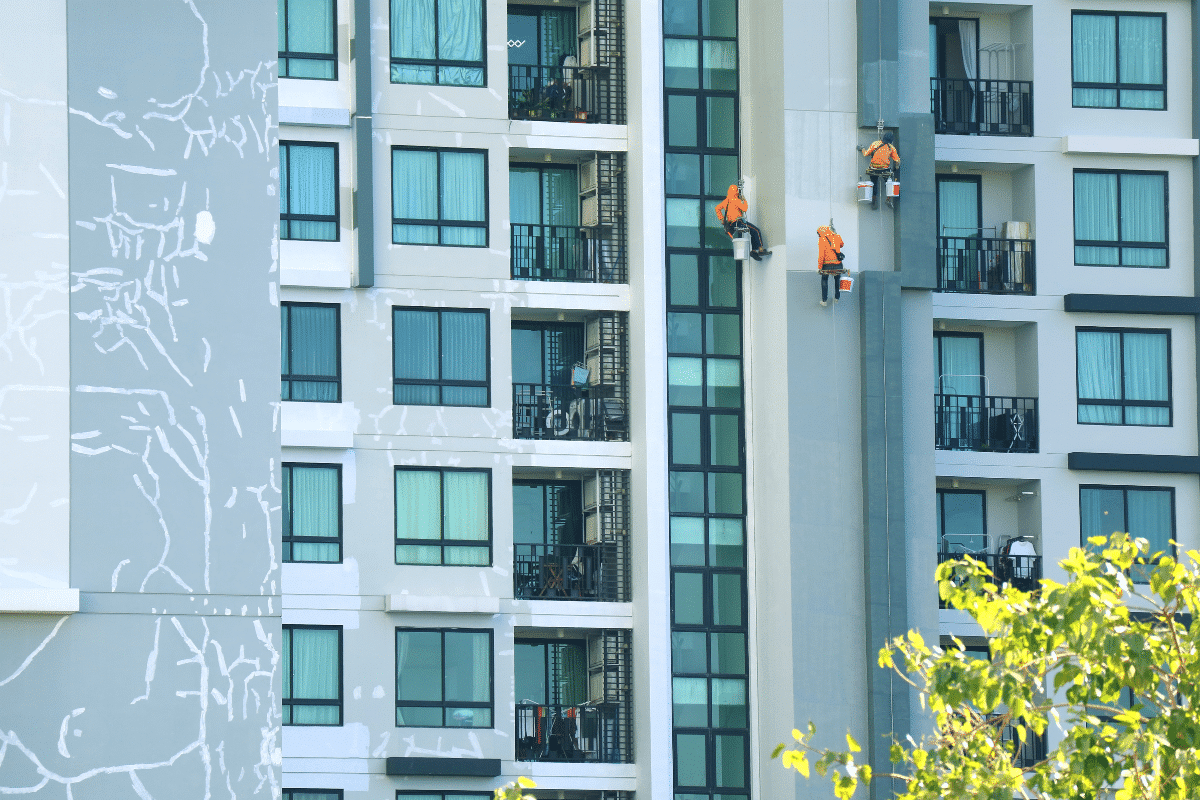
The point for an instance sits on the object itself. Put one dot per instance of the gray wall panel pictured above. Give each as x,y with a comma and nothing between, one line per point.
174,352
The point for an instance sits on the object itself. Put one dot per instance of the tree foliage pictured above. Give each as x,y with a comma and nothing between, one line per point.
1107,666
515,790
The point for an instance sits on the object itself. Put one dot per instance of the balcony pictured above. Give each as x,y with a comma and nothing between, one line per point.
567,572
562,253
984,107
584,733
975,265
562,94
983,423
1028,753
568,413
1022,572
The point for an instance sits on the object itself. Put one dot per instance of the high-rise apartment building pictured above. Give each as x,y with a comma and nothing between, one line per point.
554,485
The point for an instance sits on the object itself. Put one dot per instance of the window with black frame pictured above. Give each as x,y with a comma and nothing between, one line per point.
542,62
438,42
310,353
1120,218
444,678
547,243
439,197
1118,60
407,795
443,516
550,559
440,357
1123,376
312,675
312,794
312,513
308,39
552,690
308,191
961,522
1145,512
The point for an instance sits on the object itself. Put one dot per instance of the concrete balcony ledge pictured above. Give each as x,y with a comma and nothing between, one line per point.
440,605
952,622
315,264
1130,146
317,117
39,601
325,425
568,614
568,775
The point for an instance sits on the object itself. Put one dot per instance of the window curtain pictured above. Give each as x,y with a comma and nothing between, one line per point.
1150,519
524,190
419,675
958,208
1102,512
1146,375
463,196
414,195
415,355
313,331
464,357
1098,366
962,522
285,364
559,38
466,509
418,515
959,367
1143,218
412,37
314,661
729,702
468,678
312,185
1094,59
560,196
310,30
572,688
1141,41
460,38
1096,217
689,696
720,64
970,47
313,512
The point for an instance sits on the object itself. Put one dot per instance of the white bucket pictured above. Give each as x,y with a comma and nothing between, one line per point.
845,284
741,248
891,189
866,192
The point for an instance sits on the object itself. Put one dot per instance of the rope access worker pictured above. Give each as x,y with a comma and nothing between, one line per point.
732,213
882,153
829,261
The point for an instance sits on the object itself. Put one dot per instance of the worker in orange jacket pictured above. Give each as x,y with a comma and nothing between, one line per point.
882,153
732,210
829,261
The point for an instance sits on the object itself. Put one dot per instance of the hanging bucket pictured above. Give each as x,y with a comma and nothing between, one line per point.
845,284
891,190
866,192
741,248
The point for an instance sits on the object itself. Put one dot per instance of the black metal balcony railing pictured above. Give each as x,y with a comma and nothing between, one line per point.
559,253
985,266
982,106
566,572
1019,571
1028,753
584,733
553,411
985,423
553,93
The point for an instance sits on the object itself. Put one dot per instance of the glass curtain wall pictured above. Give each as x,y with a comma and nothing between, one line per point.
704,375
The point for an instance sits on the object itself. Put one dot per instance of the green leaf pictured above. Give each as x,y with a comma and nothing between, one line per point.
778,749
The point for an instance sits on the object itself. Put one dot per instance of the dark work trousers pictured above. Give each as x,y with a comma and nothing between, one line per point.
837,286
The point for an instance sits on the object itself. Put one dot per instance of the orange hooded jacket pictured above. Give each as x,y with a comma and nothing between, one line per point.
881,155
829,245
732,208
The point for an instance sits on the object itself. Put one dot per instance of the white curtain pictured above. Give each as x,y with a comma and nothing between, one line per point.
418,515
414,195
464,357
970,47
460,38
1094,59
466,516
1143,218
412,37
415,355
1096,217
312,508
1150,518
1146,376
1098,366
524,188
959,367
463,196
314,668
1141,41
311,188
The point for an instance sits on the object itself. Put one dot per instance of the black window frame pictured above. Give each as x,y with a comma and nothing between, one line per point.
1118,86
288,539
443,703
1124,404
941,493
1121,243
439,63
291,377
954,177
335,793
1172,549
285,54
441,383
341,699
288,216
577,483
441,222
938,336
442,543
402,793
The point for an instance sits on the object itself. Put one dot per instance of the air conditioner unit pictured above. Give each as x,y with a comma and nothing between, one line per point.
586,15
589,211
592,334
589,178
